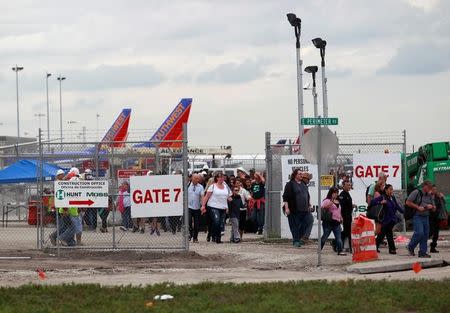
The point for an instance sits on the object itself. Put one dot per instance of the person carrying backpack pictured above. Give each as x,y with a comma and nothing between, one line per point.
422,202
436,217
370,192
388,217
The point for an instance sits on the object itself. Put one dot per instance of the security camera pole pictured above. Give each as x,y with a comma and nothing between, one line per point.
313,70
296,23
321,44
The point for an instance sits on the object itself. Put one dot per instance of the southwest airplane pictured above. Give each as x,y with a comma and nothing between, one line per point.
172,128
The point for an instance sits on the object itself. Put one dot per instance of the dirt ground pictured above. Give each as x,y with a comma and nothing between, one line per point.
251,261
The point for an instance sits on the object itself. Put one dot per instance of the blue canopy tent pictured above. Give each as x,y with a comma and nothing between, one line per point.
26,171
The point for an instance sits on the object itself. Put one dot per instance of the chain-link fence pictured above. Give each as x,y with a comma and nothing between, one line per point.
31,220
277,147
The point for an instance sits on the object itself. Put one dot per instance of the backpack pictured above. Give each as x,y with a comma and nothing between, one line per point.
367,191
409,211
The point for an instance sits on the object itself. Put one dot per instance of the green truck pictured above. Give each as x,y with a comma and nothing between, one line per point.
430,162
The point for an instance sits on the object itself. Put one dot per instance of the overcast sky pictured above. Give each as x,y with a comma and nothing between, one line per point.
388,65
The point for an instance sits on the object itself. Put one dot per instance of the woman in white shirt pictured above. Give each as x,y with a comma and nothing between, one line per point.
217,200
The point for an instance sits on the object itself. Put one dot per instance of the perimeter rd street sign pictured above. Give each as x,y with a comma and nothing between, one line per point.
81,193
319,121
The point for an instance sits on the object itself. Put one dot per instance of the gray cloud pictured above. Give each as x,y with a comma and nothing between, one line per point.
114,76
99,78
338,72
233,73
419,58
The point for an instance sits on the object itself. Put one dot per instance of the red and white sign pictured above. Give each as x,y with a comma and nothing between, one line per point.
124,175
91,164
367,167
154,196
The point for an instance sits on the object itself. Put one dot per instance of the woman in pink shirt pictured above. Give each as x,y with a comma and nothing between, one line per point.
331,204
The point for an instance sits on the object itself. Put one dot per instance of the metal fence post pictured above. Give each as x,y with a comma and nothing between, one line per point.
157,159
268,221
319,196
111,175
405,175
185,189
40,187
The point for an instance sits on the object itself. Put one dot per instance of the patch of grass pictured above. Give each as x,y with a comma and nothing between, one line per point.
313,296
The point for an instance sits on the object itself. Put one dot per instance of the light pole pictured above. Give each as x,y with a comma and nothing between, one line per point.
296,23
313,70
60,79
39,115
321,44
17,69
48,109
97,116
71,122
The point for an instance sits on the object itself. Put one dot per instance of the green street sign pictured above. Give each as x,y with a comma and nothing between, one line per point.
319,121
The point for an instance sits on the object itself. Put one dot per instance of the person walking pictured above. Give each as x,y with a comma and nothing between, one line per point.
258,195
234,210
423,203
65,231
124,206
246,197
436,217
90,215
331,204
296,203
216,199
389,217
347,206
195,200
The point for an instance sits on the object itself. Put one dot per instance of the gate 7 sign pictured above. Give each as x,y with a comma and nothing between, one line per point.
154,196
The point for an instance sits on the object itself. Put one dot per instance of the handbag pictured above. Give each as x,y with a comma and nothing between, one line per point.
374,212
325,215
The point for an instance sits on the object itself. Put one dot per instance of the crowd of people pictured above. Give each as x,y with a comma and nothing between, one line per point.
427,205
218,196
215,197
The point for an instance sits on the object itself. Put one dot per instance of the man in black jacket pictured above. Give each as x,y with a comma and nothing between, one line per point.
296,205
346,202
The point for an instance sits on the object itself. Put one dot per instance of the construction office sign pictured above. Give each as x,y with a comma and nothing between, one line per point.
81,194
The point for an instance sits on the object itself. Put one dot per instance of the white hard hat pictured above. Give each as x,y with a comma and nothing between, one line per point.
88,171
74,170
149,173
241,169
59,172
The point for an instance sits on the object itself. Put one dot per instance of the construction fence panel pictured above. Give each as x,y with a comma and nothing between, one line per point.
348,145
111,227
19,208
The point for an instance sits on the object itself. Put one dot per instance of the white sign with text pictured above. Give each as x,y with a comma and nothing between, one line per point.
81,193
288,164
367,167
154,196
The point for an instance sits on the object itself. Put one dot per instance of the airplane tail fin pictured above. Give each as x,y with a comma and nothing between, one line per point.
170,133
118,131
